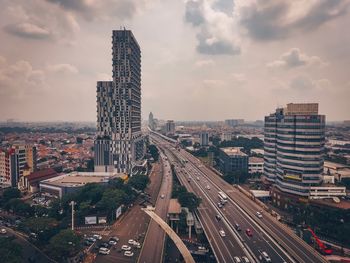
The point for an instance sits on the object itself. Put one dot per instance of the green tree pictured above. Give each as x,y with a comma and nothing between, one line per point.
139,182
110,201
189,200
19,207
10,193
153,150
64,245
10,251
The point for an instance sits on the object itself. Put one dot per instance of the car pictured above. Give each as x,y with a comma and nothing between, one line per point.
97,237
237,227
162,196
137,245
222,233
208,187
112,242
104,244
197,178
104,251
91,239
201,248
249,232
265,257
131,241
218,217
128,253
220,205
259,215
114,238
126,247
3,231
245,259
237,259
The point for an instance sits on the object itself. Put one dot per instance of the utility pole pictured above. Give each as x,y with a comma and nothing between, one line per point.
72,203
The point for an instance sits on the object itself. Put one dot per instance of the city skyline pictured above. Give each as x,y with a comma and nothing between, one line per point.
213,57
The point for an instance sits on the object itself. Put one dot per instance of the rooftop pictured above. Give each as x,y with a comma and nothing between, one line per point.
174,207
256,160
233,151
77,179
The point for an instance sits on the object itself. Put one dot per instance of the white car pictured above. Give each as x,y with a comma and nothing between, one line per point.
131,241
112,242
222,233
237,260
126,248
128,253
137,244
3,231
208,187
96,236
245,259
259,215
104,251
162,196
197,178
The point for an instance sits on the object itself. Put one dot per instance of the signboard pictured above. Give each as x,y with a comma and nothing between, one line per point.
102,220
118,212
90,220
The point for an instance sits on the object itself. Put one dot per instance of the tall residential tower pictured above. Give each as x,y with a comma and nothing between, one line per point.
119,143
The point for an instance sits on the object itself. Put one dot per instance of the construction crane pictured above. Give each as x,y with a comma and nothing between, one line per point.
322,247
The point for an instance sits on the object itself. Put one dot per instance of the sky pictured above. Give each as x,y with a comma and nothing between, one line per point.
201,59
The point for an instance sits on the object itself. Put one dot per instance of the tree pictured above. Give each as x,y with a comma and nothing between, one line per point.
64,245
110,201
10,251
153,150
189,200
19,207
10,193
116,183
44,227
139,181
236,177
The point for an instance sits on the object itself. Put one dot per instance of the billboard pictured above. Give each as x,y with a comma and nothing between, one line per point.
118,212
90,220
102,220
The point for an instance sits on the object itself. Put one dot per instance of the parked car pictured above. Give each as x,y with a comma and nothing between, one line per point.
128,253
126,247
104,251
97,237
112,242
131,241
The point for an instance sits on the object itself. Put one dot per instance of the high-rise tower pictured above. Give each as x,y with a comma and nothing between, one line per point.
119,143
294,148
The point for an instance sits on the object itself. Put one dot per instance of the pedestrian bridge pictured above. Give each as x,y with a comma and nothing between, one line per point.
171,233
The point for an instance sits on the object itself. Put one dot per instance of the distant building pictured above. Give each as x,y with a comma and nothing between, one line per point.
232,159
234,122
294,150
204,138
31,182
226,136
170,127
69,183
151,123
119,143
256,165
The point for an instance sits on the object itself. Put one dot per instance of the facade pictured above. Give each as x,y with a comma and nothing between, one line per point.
15,163
256,165
231,159
119,144
151,123
226,136
294,148
204,138
170,127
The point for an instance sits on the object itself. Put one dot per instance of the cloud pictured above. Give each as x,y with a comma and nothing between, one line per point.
215,27
63,68
28,30
106,9
19,80
239,77
225,6
204,63
295,58
38,20
304,83
273,19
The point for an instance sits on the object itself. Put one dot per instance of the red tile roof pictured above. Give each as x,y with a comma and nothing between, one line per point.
42,174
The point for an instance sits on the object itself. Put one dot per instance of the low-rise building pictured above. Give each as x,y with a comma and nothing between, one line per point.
69,183
256,165
232,159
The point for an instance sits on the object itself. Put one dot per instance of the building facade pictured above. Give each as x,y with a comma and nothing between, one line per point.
151,123
256,165
119,143
234,122
170,127
232,159
204,138
294,147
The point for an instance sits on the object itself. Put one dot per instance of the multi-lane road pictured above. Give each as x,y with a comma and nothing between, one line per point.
268,235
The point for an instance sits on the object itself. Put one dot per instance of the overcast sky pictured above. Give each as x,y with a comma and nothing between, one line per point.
201,60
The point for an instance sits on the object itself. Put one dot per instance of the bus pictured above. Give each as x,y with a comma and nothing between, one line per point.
222,196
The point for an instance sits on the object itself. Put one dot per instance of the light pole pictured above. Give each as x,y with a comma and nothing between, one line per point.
72,203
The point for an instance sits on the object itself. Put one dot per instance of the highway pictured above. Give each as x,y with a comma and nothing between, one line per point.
152,250
269,235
